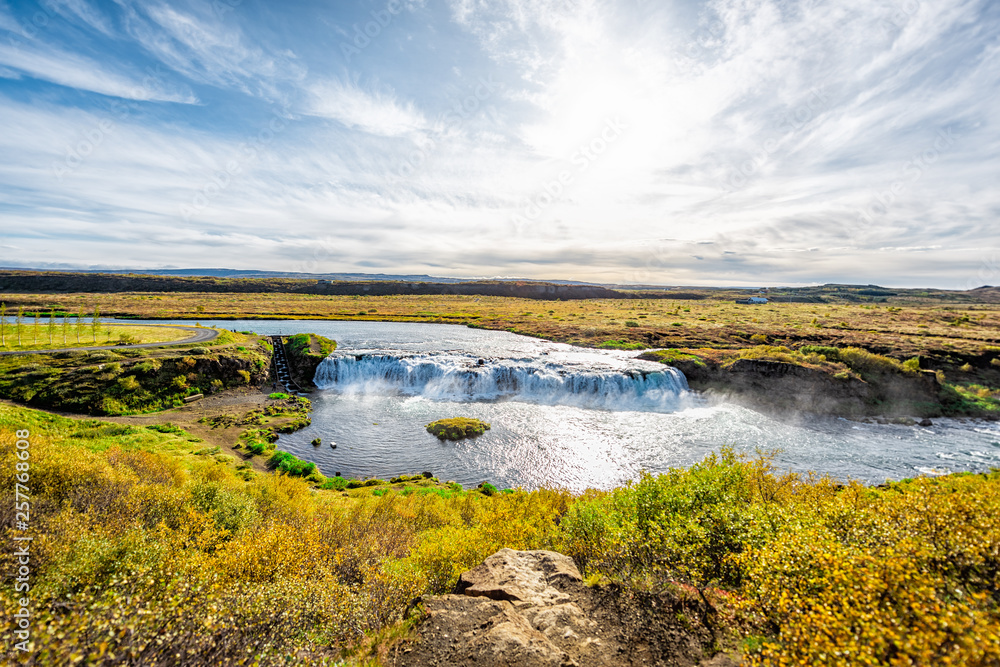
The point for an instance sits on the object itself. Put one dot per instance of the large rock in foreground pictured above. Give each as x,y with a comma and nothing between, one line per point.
531,608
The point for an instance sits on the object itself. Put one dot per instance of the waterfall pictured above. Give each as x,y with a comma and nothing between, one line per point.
458,377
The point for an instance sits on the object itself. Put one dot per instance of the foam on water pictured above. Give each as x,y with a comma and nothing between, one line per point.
460,377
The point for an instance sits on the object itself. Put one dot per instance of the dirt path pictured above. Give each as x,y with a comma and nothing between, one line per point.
233,403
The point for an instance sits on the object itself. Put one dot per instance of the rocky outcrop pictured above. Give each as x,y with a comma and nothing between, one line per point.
304,354
780,387
531,609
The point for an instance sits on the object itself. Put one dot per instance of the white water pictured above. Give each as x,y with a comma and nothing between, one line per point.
610,385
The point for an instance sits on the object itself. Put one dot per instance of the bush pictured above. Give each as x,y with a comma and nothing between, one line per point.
128,384
631,323
258,448
291,465
167,428
336,483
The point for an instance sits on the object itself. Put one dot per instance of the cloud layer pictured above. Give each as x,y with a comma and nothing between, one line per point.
721,142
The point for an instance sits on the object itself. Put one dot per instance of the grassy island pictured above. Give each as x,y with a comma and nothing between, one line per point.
457,428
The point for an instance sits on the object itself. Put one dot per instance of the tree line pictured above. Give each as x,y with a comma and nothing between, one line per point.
53,326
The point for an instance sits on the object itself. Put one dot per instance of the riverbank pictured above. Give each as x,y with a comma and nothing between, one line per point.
843,382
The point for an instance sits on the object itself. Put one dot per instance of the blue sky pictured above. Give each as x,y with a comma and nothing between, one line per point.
725,142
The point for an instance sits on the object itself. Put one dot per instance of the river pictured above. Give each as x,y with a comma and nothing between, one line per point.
569,417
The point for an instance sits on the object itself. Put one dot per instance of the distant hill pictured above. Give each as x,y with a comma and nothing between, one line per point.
31,282
291,275
26,281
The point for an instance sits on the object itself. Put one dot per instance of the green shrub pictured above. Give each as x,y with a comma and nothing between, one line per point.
167,428
258,448
335,483
291,465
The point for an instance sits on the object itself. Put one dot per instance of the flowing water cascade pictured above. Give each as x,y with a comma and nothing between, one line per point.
458,377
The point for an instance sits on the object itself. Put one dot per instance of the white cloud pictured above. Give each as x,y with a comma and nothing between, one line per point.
75,71
371,111
212,51
80,10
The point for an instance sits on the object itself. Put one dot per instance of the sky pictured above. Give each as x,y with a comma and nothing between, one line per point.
727,142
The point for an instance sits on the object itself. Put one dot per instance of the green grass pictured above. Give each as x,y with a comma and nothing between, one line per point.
672,356
124,381
971,399
457,428
290,464
621,345
43,337
302,344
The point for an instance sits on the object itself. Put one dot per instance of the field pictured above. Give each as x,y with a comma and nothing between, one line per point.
947,328
129,380
70,332
689,322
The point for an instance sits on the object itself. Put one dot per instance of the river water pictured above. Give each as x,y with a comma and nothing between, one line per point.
565,416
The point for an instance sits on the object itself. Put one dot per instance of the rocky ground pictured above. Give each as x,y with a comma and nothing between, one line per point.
532,608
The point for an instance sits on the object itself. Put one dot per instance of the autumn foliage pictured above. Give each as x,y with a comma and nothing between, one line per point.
145,553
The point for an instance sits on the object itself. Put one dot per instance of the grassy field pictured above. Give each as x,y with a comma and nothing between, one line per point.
148,545
690,323
69,332
947,329
130,381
